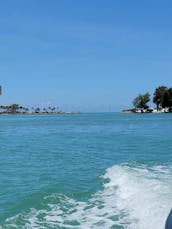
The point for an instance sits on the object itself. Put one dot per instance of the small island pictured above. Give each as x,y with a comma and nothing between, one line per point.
18,109
162,98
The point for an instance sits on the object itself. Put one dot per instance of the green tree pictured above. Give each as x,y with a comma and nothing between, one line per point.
14,108
160,97
170,97
141,101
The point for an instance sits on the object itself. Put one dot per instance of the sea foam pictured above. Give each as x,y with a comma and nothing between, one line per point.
133,197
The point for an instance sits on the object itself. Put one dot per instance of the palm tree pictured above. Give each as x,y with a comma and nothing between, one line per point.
37,110
141,101
14,108
53,109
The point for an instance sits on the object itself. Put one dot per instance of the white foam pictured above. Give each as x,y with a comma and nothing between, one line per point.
138,197
145,194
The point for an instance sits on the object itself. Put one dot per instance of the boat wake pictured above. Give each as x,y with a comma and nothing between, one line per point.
136,197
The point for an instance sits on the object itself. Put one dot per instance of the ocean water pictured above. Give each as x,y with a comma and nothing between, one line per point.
106,170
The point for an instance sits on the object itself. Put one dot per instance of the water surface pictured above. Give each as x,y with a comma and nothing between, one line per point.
106,170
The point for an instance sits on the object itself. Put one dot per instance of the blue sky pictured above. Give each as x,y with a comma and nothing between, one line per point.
91,55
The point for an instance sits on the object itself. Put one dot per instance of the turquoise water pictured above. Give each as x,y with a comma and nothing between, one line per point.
107,170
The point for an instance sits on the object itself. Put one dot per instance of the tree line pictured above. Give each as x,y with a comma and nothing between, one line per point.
18,109
162,97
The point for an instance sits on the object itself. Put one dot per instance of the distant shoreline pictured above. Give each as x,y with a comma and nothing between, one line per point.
16,109
147,111
41,113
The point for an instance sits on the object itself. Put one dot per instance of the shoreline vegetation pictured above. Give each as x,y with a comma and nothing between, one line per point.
162,98
16,109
